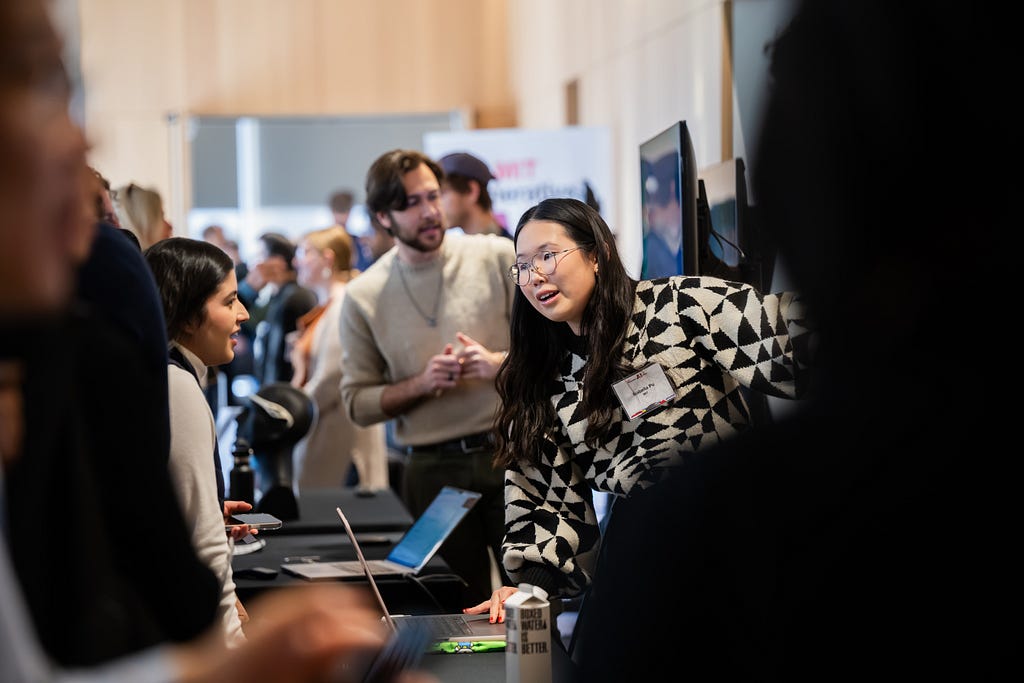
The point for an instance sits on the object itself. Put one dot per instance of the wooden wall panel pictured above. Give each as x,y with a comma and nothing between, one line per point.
344,56
257,56
356,55
144,62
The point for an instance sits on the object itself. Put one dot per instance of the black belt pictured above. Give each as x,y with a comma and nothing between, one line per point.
471,443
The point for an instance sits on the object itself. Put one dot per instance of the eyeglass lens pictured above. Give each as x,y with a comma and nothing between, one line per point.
544,262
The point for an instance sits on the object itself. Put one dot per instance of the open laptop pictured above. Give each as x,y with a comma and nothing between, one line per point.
417,546
451,627
414,549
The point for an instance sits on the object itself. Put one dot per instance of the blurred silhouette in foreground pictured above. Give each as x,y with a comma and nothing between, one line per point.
866,536
46,226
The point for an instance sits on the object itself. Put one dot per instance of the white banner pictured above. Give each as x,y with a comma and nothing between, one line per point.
531,165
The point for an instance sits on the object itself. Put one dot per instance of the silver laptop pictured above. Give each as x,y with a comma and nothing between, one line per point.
416,547
451,627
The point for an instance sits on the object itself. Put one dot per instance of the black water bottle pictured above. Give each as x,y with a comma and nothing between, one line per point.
243,480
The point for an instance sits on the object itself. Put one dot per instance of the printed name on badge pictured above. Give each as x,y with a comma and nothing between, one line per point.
644,391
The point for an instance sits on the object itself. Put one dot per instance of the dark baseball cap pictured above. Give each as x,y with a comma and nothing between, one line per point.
461,163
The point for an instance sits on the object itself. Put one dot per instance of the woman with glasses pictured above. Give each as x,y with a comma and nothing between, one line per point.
610,382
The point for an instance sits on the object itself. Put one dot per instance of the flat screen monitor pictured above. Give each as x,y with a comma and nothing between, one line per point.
730,244
726,199
668,191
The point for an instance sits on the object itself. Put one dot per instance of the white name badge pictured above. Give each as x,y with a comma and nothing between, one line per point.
644,391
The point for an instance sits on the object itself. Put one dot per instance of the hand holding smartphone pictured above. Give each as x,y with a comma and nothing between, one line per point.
255,520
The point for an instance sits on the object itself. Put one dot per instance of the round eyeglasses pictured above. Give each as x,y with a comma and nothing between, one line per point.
543,262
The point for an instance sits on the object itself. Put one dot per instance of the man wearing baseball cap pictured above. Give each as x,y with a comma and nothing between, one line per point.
464,196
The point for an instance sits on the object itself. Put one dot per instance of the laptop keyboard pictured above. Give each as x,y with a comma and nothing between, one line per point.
379,567
440,625
449,626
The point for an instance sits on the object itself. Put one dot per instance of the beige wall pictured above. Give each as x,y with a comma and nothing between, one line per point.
144,61
638,66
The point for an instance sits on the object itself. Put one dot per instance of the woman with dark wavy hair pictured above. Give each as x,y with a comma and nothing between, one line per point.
611,382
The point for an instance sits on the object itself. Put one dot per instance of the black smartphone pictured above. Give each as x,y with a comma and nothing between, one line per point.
256,520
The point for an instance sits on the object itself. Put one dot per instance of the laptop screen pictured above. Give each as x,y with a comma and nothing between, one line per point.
428,532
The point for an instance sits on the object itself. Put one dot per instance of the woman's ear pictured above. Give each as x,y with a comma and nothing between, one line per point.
191,327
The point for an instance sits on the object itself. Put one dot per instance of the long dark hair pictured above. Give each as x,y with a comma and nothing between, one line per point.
187,273
538,345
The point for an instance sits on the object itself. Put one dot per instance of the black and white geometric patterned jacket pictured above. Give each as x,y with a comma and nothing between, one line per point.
709,336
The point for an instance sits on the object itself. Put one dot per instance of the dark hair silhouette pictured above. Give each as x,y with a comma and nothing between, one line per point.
341,201
277,244
187,273
384,188
460,183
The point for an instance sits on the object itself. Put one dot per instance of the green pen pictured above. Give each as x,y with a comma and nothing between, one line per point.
456,646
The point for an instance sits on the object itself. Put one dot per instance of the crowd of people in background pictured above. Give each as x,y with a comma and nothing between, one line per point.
865,533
